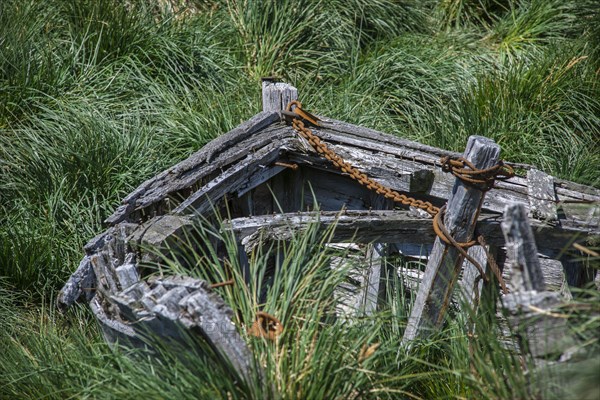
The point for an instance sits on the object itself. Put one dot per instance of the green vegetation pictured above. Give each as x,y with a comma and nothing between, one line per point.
97,96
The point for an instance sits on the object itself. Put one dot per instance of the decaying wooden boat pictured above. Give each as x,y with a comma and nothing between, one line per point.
269,180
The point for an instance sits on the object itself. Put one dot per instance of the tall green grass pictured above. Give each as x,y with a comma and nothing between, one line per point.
97,96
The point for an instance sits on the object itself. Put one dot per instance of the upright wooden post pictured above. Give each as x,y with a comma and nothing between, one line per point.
521,250
471,283
533,313
277,95
445,262
376,256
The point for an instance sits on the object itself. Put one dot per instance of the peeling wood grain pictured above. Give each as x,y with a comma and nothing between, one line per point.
277,95
542,196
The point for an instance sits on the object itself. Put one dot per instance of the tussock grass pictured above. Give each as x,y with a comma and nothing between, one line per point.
97,96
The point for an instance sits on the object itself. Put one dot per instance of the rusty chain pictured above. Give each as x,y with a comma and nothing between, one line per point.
346,167
460,167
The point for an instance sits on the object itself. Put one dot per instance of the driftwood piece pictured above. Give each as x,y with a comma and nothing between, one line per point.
277,95
445,262
542,197
521,250
167,308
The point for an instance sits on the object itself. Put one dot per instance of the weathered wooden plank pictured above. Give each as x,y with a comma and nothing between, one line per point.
384,226
390,164
229,181
542,196
187,172
515,190
372,139
445,262
552,272
471,283
161,235
393,166
376,264
168,307
80,284
277,95
521,250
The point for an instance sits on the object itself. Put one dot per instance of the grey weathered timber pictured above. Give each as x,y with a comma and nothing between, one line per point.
471,283
161,236
81,284
383,226
541,327
445,262
376,259
168,307
542,196
205,198
387,158
521,250
219,153
532,312
247,175
552,272
277,95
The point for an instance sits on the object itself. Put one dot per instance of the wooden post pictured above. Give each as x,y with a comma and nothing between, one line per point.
445,262
471,283
533,313
521,250
277,95
376,257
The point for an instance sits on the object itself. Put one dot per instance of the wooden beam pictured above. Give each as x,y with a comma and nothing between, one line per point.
407,231
445,262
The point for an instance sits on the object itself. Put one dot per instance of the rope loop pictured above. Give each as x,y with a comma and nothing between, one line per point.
467,172
266,326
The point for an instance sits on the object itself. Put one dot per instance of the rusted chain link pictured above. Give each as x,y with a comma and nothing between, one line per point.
346,167
460,167
440,230
266,326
